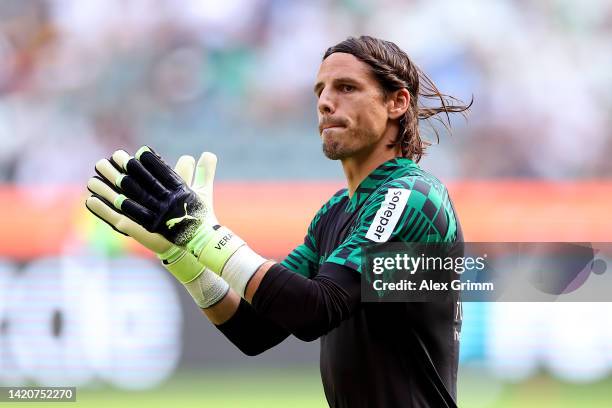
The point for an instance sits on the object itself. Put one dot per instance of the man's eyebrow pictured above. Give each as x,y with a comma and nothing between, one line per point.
320,84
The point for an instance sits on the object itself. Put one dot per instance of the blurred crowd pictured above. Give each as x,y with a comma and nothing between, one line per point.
79,79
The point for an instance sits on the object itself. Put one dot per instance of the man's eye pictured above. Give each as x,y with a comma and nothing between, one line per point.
347,88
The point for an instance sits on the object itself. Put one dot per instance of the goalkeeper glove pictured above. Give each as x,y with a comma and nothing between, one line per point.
163,203
111,189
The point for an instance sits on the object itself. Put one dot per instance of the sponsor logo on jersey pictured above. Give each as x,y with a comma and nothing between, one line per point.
388,215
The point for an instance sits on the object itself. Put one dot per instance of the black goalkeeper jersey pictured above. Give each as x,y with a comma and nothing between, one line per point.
386,354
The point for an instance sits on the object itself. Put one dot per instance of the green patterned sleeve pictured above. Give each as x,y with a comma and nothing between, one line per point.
409,209
304,259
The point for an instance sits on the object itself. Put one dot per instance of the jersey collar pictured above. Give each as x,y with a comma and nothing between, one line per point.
389,170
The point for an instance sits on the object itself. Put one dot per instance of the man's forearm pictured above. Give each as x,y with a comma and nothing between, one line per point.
307,308
238,321
224,309
253,284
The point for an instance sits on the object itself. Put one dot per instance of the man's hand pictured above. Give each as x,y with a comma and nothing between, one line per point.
160,201
112,186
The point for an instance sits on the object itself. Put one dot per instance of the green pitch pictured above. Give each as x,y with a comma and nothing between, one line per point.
301,388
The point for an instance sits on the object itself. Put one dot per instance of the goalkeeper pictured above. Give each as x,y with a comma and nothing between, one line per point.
372,354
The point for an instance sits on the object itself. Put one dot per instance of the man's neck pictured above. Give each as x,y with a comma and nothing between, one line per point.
357,168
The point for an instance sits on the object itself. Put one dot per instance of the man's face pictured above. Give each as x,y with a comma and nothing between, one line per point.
351,108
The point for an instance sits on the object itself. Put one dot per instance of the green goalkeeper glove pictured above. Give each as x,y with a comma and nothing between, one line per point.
160,201
110,188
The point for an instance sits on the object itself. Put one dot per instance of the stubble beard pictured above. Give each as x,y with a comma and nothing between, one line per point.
338,149
334,150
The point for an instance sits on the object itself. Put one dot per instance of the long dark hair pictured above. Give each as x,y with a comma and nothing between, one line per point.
394,70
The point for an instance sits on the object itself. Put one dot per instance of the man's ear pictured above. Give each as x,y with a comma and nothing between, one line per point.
398,103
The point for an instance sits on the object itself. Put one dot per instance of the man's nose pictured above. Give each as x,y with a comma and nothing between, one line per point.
325,103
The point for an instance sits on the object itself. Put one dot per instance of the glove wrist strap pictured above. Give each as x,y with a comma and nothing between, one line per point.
213,247
241,267
181,264
207,289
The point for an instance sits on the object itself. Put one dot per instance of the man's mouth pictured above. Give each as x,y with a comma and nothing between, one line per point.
330,127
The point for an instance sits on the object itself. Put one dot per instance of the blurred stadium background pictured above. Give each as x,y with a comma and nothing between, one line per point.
80,79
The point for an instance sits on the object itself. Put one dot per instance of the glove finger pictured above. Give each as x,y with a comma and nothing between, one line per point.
131,208
100,209
107,171
122,183
205,172
122,224
184,168
134,191
141,176
126,184
158,168
121,159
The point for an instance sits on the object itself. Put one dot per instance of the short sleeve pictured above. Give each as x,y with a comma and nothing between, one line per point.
304,259
410,209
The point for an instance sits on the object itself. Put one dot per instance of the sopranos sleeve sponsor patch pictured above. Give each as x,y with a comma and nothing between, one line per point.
388,214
